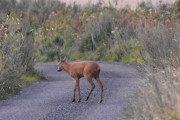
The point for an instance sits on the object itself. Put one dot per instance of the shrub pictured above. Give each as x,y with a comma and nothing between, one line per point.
162,44
77,55
96,33
16,59
16,56
30,77
110,57
160,89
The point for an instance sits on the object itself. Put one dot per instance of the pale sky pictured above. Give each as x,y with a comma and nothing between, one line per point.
121,3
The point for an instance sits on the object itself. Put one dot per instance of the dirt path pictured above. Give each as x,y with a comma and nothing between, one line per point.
51,99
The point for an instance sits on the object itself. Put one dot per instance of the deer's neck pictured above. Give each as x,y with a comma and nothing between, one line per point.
66,67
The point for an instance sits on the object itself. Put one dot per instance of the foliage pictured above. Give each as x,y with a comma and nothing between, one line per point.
110,57
16,59
16,55
91,28
160,90
31,77
172,117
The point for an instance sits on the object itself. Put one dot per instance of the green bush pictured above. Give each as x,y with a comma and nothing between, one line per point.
17,57
30,78
133,56
76,56
43,58
91,55
110,57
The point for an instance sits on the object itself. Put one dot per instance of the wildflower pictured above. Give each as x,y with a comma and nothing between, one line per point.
113,31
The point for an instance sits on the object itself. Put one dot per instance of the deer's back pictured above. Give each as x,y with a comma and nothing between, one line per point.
84,68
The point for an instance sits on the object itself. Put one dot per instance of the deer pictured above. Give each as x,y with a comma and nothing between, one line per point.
77,70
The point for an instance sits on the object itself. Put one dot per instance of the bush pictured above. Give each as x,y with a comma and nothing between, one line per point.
110,57
96,33
30,77
77,55
162,44
160,89
16,56
16,59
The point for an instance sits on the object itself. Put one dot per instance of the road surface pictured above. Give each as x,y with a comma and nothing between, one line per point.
51,99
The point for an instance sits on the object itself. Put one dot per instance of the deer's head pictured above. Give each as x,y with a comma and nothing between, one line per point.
61,60
60,64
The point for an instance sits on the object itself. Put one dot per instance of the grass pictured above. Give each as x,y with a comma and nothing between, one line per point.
77,55
133,56
43,58
30,78
25,80
91,55
171,116
161,71
110,57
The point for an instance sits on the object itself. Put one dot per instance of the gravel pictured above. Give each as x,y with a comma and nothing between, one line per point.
51,99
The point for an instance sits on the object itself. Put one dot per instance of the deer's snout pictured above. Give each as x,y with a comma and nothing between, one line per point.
59,70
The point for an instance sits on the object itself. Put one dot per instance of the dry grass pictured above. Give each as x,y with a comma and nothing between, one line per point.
16,58
160,91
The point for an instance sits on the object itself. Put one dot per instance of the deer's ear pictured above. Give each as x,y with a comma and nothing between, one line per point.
58,58
64,59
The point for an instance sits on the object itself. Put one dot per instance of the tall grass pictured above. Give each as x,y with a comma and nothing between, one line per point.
161,88
16,56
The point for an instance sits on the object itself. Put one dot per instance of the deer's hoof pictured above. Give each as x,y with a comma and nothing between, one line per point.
79,100
100,101
73,100
87,98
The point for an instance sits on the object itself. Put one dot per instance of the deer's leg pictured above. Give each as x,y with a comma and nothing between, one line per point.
78,90
92,88
101,86
75,84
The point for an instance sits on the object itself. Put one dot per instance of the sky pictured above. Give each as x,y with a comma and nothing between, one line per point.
121,3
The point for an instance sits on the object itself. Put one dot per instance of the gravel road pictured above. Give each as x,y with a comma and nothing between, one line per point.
51,99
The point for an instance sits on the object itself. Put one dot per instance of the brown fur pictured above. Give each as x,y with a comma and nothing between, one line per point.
85,69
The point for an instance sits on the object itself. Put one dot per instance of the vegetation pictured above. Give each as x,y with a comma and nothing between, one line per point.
16,53
16,60
161,89
32,31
